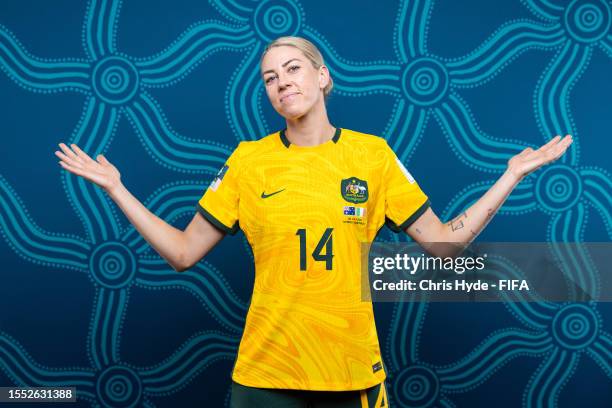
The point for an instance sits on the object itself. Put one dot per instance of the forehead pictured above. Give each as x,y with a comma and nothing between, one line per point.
277,56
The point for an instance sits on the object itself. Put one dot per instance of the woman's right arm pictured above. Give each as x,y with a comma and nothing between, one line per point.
181,249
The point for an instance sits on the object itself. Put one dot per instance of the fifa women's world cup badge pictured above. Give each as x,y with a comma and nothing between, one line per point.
218,178
354,190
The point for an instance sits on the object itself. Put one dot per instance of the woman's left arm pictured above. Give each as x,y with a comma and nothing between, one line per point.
465,227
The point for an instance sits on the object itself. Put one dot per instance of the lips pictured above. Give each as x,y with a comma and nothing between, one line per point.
284,97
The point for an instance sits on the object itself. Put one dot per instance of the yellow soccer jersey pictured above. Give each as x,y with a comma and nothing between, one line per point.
305,212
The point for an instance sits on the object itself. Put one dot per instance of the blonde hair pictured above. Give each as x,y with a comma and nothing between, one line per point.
309,50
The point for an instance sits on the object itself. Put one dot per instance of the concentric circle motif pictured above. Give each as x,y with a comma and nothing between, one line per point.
588,20
277,18
558,188
416,386
115,80
575,326
425,81
119,386
113,265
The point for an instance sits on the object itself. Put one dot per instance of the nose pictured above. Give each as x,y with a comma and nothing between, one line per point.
283,81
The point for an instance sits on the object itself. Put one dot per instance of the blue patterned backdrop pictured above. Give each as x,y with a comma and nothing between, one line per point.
166,89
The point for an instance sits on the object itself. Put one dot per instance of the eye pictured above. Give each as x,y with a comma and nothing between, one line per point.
269,79
294,68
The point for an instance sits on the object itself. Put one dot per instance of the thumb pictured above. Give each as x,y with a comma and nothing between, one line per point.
102,159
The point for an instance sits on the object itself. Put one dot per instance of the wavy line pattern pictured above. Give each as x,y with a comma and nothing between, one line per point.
504,45
196,44
204,282
552,104
37,74
495,351
31,242
100,27
192,357
168,148
20,366
473,148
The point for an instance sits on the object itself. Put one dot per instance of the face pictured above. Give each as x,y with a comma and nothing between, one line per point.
293,85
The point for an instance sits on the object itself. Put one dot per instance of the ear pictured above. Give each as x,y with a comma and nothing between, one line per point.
324,77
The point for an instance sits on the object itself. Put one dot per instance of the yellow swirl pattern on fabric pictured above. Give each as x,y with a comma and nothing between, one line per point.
307,327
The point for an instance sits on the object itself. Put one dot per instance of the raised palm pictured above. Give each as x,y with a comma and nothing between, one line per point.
530,160
100,172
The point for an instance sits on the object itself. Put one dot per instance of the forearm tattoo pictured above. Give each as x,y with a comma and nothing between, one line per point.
457,223
490,213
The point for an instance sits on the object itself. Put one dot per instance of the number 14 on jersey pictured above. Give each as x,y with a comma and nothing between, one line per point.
325,241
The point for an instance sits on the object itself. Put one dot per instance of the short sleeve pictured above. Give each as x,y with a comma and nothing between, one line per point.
219,204
405,202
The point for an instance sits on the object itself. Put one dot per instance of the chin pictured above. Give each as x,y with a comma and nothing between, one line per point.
291,113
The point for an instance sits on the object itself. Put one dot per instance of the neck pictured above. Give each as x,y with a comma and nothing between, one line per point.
311,129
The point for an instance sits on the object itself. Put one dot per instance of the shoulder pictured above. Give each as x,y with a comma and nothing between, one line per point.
363,139
248,152
374,144
247,148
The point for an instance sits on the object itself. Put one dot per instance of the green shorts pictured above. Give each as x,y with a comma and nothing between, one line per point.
251,397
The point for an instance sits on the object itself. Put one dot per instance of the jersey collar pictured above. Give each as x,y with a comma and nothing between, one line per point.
286,141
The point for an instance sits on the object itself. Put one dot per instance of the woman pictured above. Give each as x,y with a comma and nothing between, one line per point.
306,198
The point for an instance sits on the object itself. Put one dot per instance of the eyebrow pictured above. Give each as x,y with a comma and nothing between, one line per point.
284,65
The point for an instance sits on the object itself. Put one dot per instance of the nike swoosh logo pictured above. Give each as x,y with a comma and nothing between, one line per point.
264,195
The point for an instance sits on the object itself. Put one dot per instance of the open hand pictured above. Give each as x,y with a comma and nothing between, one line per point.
530,160
100,172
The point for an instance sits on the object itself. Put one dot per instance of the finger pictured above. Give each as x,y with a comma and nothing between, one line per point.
68,152
540,158
551,142
562,147
64,158
562,142
102,160
73,169
569,139
557,151
81,153
68,160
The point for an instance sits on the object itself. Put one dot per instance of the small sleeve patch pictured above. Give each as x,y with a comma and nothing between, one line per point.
405,171
218,178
